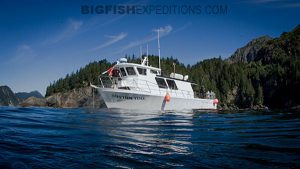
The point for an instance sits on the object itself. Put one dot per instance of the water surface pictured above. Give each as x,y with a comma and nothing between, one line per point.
80,138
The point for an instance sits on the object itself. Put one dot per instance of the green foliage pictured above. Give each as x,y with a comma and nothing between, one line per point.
82,77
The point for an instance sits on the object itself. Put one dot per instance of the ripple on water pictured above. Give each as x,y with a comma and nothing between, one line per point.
79,138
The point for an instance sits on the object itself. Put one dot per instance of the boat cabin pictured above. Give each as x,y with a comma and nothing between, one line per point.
147,79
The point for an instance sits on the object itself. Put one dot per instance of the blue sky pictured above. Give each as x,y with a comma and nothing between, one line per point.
41,41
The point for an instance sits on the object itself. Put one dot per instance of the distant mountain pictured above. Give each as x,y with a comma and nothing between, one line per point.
25,95
249,52
283,49
7,97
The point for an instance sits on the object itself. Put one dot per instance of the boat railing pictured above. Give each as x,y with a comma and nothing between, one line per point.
197,94
142,85
105,81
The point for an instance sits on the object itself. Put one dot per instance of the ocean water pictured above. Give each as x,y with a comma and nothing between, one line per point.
37,138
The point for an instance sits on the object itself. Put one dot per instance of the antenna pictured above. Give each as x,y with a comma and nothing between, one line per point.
158,44
174,65
141,54
147,56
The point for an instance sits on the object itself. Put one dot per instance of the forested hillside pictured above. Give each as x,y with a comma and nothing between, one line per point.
80,78
271,76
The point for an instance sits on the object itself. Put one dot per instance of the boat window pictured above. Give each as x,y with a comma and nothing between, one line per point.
130,71
153,72
123,71
142,71
172,84
161,82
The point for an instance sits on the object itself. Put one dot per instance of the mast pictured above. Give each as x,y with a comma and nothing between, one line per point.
141,54
147,56
158,44
174,65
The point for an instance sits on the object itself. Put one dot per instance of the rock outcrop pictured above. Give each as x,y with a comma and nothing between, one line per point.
249,52
82,97
33,101
7,97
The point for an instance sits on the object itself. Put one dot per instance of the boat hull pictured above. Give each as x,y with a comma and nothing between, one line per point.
126,99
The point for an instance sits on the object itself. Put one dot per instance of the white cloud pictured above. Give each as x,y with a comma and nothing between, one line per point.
185,26
162,30
139,42
24,53
112,40
70,29
75,25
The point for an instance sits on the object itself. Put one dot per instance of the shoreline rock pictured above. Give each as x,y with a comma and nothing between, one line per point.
82,97
33,101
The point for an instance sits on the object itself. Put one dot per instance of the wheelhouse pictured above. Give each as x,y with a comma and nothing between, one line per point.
148,79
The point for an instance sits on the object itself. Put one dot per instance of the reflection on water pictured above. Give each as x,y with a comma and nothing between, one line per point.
79,138
153,133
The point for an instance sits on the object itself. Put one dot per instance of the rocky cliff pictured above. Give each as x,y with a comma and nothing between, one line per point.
33,101
249,52
7,97
82,97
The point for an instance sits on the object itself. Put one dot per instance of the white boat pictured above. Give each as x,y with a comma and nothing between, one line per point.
142,87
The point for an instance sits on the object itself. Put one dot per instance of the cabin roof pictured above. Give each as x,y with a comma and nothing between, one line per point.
167,77
137,65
